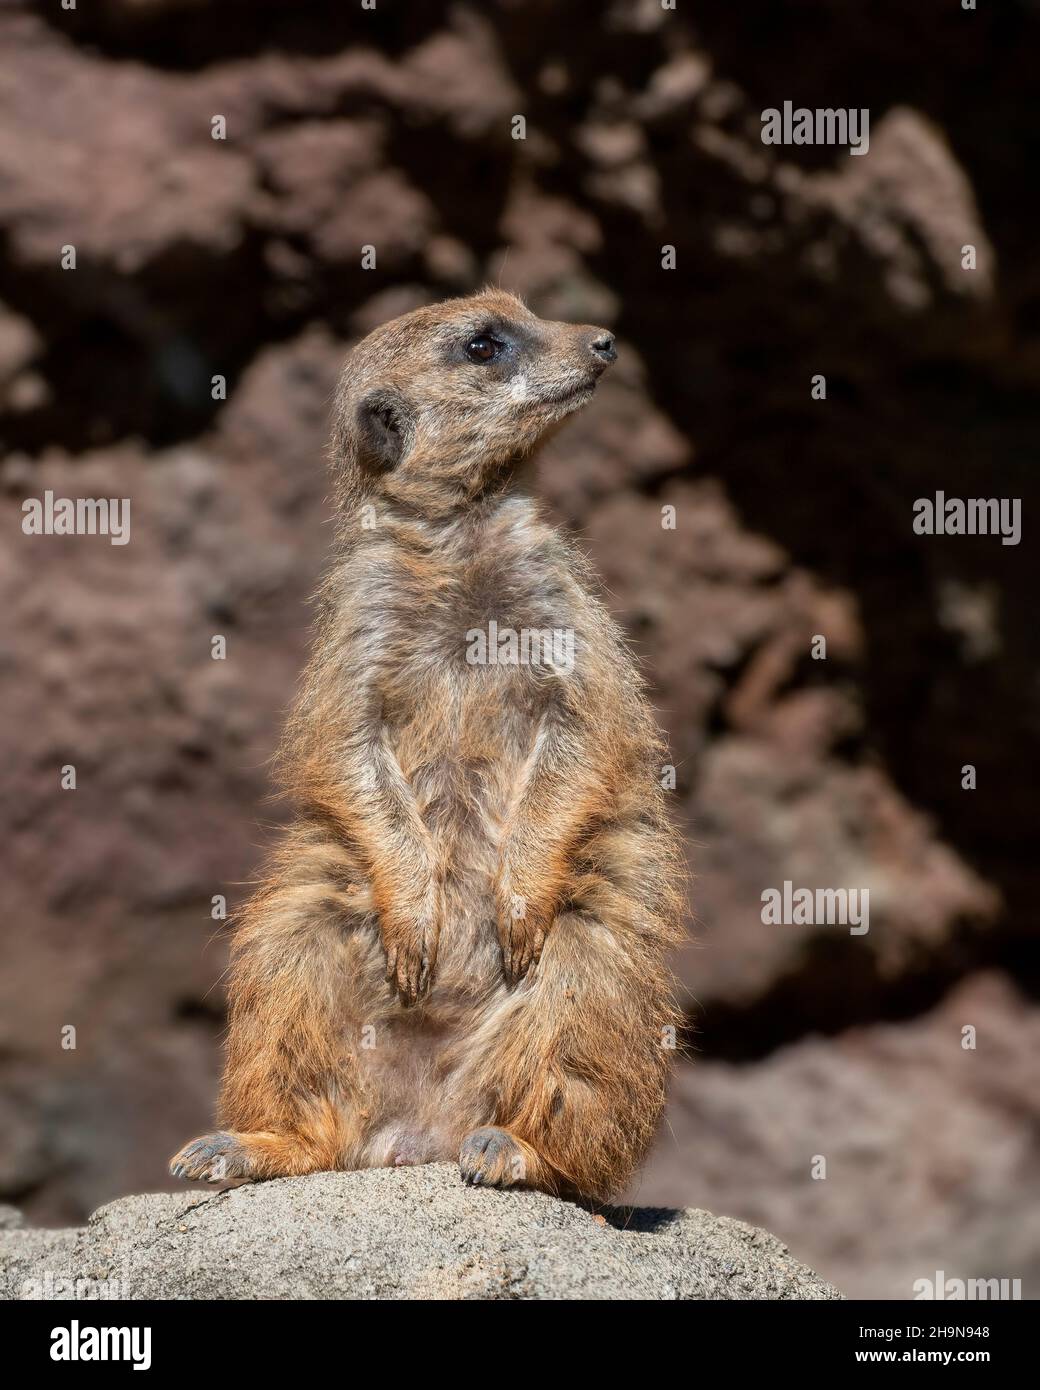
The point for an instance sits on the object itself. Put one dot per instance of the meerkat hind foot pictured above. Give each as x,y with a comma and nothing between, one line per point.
491,1157
213,1158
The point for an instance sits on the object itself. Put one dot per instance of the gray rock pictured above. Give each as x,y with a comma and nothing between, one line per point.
414,1233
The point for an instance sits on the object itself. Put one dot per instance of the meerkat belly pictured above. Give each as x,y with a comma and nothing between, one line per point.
420,1074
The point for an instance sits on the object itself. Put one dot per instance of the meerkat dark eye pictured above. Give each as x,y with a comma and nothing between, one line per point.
483,348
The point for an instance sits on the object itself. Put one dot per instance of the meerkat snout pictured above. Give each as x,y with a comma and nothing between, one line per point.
434,408
602,348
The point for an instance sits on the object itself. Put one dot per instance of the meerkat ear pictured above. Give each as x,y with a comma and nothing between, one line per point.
382,430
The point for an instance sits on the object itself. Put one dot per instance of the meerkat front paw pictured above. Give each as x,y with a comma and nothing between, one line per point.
409,971
213,1158
410,941
491,1157
522,928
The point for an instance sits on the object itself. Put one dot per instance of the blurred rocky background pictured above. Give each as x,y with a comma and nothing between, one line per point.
242,258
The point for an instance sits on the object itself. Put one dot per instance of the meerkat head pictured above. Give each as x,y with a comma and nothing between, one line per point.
435,408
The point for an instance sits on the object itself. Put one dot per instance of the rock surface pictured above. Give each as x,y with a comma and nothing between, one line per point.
396,1234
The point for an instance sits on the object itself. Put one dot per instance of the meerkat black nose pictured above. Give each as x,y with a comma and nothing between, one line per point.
602,346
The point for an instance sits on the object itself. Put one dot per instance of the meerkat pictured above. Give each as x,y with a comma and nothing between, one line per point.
459,952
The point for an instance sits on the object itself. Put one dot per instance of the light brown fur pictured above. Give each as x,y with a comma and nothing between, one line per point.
459,949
